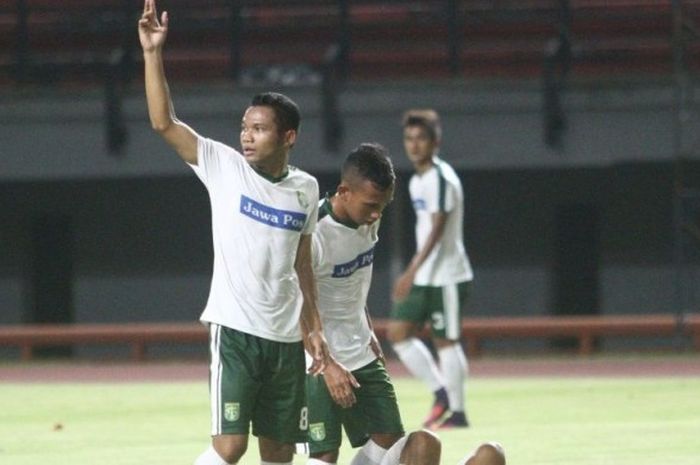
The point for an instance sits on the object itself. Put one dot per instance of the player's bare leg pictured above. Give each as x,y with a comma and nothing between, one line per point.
272,451
225,449
420,363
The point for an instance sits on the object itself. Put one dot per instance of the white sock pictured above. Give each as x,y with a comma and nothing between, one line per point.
210,457
369,454
313,461
454,366
393,455
420,362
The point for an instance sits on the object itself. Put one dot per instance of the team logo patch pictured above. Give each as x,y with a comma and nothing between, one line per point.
303,200
317,431
232,411
262,213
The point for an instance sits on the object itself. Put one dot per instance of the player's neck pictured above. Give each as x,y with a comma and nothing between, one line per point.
423,165
339,214
272,169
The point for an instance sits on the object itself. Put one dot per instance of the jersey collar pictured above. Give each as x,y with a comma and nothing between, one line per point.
327,209
272,179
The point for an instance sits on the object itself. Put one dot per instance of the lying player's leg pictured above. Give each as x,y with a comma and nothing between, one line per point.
418,448
489,453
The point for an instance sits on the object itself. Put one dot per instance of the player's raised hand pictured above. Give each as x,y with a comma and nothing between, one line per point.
152,33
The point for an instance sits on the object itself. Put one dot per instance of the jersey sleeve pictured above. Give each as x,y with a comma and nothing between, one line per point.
312,211
450,199
316,252
212,159
441,195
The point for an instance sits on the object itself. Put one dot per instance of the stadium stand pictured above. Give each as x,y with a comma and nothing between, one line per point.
49,42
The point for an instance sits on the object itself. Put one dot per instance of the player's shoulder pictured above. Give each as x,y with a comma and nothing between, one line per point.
220,148
295,171
300,177
442,165
445,170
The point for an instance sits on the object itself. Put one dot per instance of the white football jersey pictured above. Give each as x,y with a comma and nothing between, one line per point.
342,259
439,190
256,224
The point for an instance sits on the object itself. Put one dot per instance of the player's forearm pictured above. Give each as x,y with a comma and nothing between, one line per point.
310,319
422,255
431,242
160,110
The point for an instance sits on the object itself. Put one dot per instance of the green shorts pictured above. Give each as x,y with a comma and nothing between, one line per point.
256,380
376,410
442,306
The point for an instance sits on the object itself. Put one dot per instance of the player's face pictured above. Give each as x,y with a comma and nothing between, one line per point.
419,146
261,141
364,202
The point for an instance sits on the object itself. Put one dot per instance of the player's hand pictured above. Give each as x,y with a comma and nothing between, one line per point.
340,383
316,346
152,33
377,348
402,286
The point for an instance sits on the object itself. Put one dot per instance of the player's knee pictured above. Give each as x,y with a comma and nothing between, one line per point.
441,342
398,331
489,453
274,451
424,440
324,457
230,447
385,441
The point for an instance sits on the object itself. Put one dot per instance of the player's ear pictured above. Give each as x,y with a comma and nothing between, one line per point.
290,137
343,189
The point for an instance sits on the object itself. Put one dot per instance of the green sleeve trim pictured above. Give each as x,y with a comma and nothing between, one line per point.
442,188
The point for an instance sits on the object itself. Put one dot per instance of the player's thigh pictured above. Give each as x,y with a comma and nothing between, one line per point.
233,380
281,399
415,308
377,409
447,303
324,419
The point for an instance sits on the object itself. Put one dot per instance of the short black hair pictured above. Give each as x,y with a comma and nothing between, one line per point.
287,115
370,161
427,119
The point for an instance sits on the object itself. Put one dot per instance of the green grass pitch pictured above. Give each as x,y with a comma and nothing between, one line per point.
568,421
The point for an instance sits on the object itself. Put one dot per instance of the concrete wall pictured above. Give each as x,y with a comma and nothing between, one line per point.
141,221
497,126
